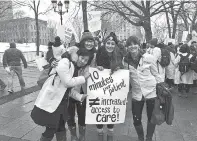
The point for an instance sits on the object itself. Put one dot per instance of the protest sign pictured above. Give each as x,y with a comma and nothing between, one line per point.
107,96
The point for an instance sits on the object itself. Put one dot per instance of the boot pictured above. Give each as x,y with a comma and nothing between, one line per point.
140,132
100,134
73,133
150,131
61,136
110,135
82,131
45,139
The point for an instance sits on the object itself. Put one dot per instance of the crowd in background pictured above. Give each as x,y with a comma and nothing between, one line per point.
149,64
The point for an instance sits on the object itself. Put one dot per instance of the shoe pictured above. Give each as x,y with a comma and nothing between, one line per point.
82,130
110,135
73,133
61,136
140,132
10,91
45,139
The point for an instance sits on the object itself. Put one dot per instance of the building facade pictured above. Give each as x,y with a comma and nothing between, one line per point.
6,10
23,30
121,27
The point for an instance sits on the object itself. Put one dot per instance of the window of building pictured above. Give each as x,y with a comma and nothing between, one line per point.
34,27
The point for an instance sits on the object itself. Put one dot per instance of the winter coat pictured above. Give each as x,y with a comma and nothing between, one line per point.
51,120
76,91
49,55
168,110
186,78
13,57
144,78
65,79
156,52
170,69
109,62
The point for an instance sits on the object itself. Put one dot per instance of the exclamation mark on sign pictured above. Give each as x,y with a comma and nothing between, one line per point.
117,117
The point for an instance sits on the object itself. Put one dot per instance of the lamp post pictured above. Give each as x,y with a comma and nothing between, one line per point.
60,5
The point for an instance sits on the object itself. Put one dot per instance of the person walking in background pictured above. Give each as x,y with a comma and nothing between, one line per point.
11,63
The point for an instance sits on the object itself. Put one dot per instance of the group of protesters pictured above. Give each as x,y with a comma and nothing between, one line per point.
71,65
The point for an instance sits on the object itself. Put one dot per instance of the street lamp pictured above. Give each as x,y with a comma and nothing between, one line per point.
60,5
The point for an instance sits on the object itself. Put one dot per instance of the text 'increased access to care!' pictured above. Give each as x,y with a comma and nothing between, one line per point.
107,96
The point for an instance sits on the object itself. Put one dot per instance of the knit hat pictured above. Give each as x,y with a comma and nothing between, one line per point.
57,39
132,39
111,36
184,48
86,35
57,42
12,45
153,41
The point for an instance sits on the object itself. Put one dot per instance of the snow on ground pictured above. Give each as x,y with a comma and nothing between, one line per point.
23,47
29,51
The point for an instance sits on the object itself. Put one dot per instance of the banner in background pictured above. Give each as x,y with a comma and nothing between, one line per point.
94,21
184,37
107,96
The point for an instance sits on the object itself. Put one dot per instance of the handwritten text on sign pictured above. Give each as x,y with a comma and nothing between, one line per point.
107,96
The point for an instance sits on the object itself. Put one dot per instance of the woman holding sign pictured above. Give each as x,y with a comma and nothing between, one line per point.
79,103
143,79
109,56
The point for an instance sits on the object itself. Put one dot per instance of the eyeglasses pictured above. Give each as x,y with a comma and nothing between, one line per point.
89,43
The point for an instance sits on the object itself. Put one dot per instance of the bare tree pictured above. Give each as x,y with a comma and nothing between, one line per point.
19,14
4,7
173,13
137,13
35,6
189,14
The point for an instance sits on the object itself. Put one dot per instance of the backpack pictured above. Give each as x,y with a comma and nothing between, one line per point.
193,64
165,58
184,64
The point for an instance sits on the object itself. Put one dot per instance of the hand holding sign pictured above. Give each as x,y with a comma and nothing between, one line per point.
100,68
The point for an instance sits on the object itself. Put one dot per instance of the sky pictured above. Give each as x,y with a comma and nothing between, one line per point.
51,15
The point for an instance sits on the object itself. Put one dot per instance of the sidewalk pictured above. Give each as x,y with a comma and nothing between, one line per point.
17,125
30,76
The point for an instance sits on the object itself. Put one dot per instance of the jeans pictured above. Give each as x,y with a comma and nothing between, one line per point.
18,71
81,110
50,132
137,107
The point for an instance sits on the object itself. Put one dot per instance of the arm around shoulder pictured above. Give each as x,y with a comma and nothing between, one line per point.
65,74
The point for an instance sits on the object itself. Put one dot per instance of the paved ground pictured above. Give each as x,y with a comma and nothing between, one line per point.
16,124
30,76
